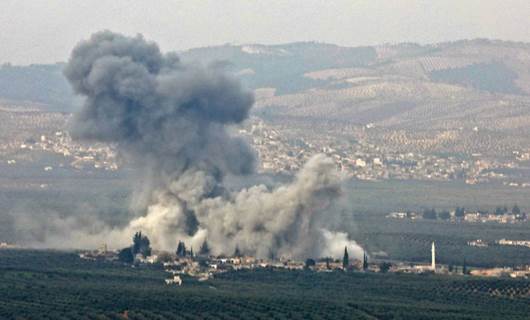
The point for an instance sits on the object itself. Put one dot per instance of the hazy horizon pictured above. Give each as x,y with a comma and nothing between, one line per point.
37,32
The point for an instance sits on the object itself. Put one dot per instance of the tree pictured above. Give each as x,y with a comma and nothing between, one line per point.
516,210
181,249
499,211
365,261
309,263
460,212
237,252
429,214
271,254
464,267
145,248
141,244
444,215
125,255
345,259
137,242
204,250
384,266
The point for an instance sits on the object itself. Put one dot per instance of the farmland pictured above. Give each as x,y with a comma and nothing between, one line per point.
58,285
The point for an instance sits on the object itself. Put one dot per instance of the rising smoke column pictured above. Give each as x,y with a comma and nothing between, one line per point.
168,119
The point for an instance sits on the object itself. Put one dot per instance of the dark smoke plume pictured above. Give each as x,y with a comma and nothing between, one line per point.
168,119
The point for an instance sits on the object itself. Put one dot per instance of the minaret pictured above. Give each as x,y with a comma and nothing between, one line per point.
433,261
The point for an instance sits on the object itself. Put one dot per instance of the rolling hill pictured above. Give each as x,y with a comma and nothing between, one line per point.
463,97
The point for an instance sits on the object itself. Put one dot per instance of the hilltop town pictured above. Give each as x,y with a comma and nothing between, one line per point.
281,151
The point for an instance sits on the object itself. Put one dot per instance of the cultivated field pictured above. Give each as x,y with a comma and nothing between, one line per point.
58,285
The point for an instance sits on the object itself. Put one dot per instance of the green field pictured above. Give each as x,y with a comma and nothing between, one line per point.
58,285
368,203
396,195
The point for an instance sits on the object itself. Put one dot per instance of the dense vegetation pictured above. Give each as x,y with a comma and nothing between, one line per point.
58,285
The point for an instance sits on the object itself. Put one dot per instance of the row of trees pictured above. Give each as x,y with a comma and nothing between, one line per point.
345,261
504,210
204,250
141,245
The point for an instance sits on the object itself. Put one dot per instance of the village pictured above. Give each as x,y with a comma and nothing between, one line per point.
461,215
280,150
204,266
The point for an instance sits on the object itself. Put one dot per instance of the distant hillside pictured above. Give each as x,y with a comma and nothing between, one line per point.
282,66
492,77
44,85
480,65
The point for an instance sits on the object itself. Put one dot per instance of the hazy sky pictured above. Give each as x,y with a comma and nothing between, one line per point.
44,31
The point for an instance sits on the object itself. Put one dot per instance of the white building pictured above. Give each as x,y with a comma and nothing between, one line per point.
433,257
176,280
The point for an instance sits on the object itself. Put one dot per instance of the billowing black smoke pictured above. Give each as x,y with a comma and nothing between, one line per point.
160,112
168,119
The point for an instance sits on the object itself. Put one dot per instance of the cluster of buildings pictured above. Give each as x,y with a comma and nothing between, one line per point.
467,216
282,150
501,272
512,272
479,243
100,254
280,153
76,155
402,267
205,267
492,217
521,243
6,245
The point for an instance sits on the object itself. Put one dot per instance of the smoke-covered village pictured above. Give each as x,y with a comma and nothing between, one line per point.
202,265
170,120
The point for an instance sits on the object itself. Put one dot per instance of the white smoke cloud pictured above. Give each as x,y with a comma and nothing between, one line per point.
336,242
286,221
